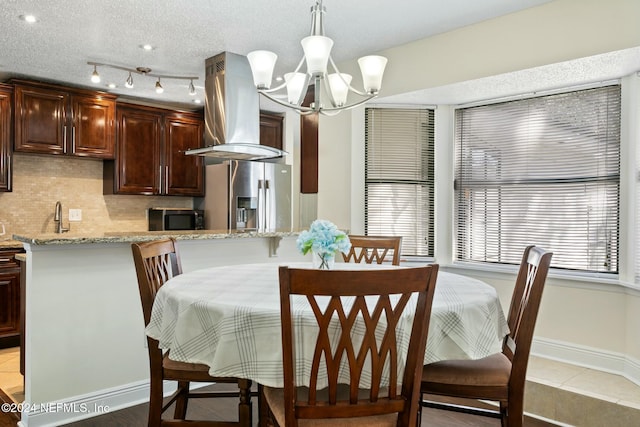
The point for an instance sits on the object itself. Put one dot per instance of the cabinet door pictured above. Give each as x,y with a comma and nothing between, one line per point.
93,123
5,138
9,307
271,130
183,175
138,159
40,120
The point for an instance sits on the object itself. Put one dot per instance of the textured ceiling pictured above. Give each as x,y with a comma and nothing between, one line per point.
70,33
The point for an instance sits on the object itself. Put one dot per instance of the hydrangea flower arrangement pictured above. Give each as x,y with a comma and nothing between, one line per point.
324,239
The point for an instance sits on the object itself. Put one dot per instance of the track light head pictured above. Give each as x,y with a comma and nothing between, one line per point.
95,77
129,83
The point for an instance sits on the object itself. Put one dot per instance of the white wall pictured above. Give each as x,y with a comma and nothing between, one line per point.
592,324
85,338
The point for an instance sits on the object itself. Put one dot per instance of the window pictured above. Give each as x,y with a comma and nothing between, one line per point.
542,171
399,177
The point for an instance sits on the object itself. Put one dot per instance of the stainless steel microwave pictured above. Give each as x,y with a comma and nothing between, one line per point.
164,219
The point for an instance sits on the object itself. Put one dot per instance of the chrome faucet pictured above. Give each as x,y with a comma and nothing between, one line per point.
58,218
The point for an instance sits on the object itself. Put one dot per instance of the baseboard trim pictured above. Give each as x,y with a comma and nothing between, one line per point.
86,406
588,357
52,414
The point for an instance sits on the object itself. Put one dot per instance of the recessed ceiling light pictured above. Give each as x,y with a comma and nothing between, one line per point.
146,47
111,86
28,18
197,101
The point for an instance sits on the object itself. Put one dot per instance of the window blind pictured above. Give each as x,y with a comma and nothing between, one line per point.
542,171
399,176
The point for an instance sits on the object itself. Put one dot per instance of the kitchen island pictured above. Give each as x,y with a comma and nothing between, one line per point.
85,346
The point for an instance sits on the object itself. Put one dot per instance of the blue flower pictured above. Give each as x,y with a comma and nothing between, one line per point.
323,237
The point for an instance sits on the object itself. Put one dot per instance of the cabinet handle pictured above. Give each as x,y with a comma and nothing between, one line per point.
5,259
73,137
166,179
64,138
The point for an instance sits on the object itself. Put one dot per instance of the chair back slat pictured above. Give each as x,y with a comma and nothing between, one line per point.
369,305
155,262
524,307
374,249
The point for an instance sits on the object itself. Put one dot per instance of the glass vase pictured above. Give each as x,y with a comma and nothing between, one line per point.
323,260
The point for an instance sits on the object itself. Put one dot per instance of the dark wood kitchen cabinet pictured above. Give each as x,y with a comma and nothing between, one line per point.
9,298
5,136
184,174
51,119
150,156
271,129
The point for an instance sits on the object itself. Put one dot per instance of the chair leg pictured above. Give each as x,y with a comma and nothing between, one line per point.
262,407
182,401
245,414
155,402
513,412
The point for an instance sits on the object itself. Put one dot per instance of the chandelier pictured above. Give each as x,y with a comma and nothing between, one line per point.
95,77
334,87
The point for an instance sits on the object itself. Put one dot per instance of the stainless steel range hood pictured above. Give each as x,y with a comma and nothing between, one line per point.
232,112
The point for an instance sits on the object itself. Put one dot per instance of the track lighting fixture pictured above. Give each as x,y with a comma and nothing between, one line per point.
95,77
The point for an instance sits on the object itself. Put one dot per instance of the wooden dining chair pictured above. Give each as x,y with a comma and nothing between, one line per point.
156,262
374,249
500,377
377,301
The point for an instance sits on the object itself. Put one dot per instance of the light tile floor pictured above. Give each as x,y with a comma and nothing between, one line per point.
11,381
589,382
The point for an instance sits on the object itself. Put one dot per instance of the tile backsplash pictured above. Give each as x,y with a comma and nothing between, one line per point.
39,181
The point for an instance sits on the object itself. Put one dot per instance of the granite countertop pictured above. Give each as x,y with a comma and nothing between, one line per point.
10,244
141,236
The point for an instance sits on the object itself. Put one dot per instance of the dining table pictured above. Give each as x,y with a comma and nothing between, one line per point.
228,318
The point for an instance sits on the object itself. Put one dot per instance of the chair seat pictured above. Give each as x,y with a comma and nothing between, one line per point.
486,378
174,370
275,401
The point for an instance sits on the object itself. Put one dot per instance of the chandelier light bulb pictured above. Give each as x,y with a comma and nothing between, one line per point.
316,51
95,77
295,86
159,88
339,87
262,63
372,69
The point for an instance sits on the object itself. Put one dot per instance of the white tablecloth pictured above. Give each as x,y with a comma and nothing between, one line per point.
229,319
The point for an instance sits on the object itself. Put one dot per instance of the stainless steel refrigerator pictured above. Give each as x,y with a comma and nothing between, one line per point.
247,196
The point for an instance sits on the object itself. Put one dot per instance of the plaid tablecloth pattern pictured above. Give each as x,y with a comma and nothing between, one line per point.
229,319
